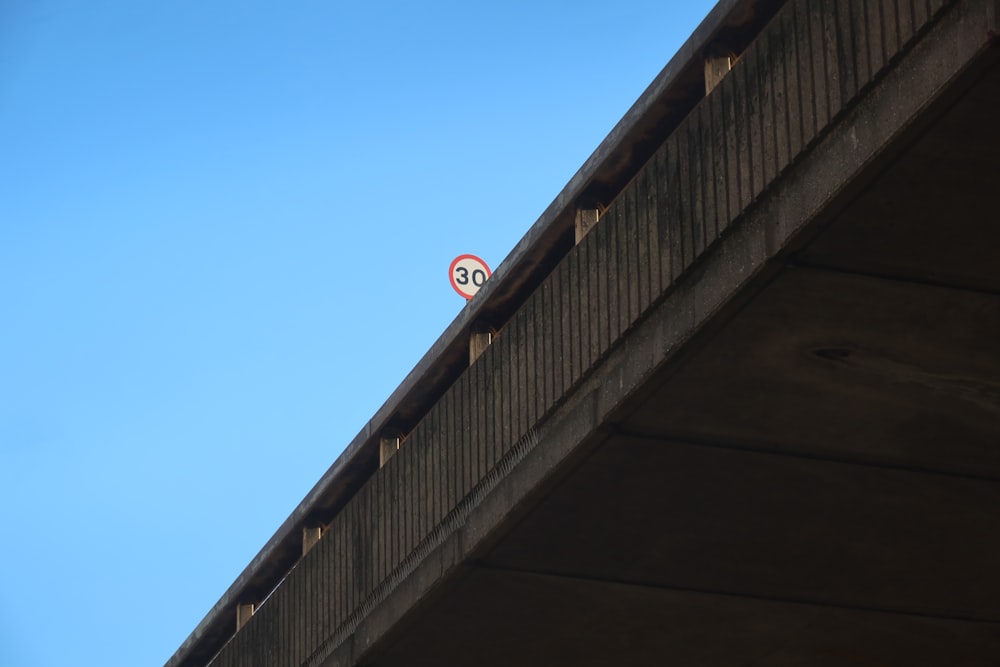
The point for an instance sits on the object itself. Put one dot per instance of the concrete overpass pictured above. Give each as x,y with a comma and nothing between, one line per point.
733,400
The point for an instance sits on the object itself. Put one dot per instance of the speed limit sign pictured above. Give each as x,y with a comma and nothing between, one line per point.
468,273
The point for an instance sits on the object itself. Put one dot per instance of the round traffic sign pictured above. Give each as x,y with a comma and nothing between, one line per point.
467,274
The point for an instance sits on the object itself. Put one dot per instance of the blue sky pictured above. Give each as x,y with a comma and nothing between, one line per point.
225,229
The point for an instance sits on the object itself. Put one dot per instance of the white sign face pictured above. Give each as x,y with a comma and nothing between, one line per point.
467,274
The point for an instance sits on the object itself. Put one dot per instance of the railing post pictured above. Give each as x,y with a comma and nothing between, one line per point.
388,445
718,62
586,218
310,536
243,614
478,342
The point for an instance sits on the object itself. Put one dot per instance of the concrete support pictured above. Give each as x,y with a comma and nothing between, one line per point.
243,614
586,218
388,444
310,536
718,62
478,342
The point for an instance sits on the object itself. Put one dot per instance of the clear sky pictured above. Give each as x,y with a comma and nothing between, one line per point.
225,231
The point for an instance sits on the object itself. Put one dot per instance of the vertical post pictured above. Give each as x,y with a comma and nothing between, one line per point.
388,445
243,614
718,62
478,342
586,218
310,536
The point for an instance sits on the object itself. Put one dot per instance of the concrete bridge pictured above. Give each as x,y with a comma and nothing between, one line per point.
733,400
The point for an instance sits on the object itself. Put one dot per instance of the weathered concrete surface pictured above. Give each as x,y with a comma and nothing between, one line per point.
813,479
752,418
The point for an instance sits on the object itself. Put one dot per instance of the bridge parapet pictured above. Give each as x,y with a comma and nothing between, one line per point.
803,72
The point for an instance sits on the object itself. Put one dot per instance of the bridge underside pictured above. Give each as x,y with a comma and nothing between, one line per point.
814,479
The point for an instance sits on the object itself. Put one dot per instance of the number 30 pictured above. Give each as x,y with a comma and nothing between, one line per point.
462,276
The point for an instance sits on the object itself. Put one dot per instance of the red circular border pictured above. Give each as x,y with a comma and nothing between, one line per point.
451,272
